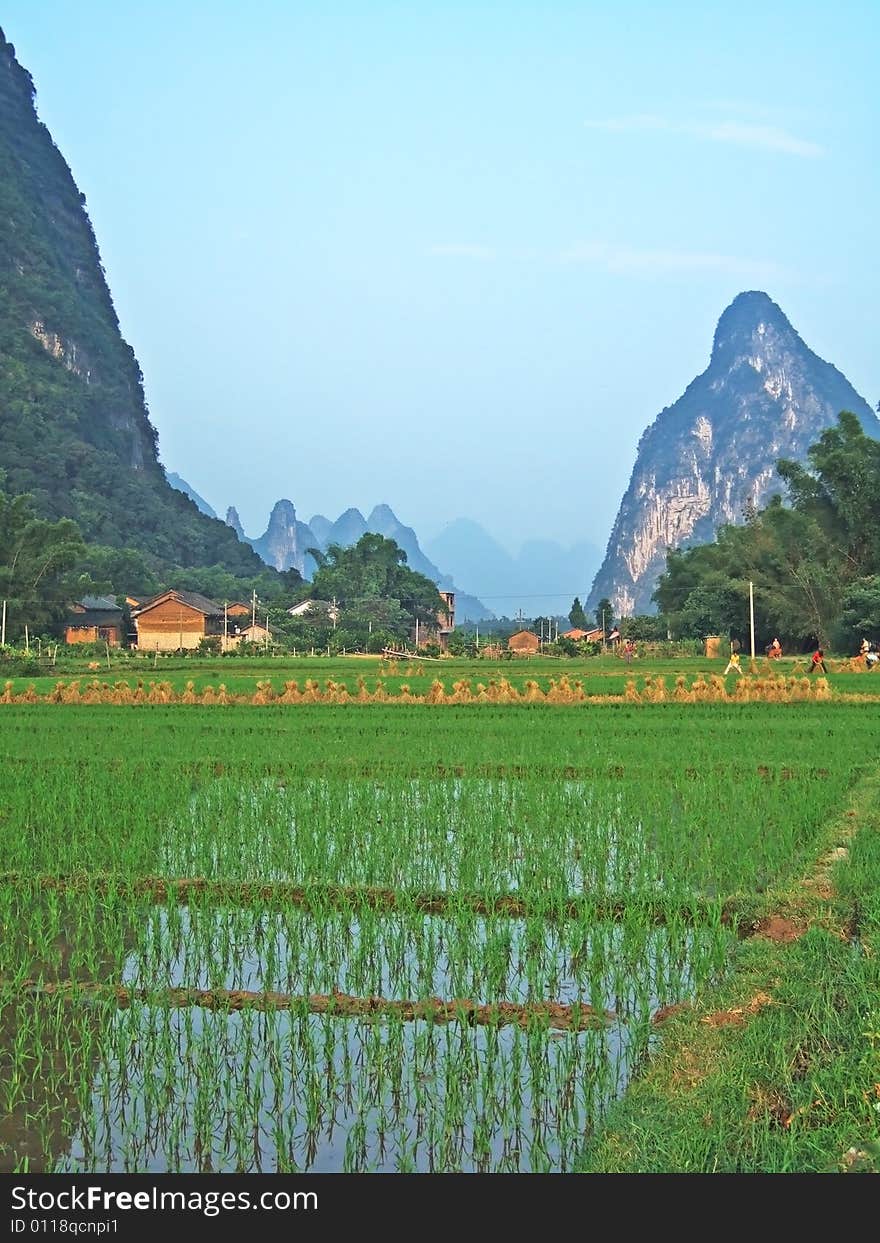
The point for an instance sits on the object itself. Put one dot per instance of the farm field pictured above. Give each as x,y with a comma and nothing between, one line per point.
391,938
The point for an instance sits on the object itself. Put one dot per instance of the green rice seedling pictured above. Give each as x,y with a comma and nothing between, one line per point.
404,866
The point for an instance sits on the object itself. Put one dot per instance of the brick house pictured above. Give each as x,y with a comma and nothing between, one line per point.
524,643
94,619
176,619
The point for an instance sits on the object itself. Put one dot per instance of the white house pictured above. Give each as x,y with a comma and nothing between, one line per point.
317,608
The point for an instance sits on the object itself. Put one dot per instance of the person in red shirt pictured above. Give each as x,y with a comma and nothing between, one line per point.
818,661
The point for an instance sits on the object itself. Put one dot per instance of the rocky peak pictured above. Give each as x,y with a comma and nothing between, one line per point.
765,395
233,520
321,527
285,542
382,517
282,517
280,544
753,324
348,528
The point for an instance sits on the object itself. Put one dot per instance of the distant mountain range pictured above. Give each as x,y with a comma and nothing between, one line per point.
541,580
286,542
199,501
765,395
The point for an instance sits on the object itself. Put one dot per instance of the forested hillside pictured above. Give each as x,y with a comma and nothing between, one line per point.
74,427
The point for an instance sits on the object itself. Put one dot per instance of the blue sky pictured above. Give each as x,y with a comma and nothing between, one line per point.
457,257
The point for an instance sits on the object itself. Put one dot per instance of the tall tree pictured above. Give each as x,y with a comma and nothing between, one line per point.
801,557
840,491
375,569
604,614
577,616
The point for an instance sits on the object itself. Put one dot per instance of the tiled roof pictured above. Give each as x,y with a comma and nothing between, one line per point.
192,598
99,602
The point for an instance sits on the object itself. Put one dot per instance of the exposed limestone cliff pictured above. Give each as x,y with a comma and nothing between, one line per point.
285,541
765,395
233,520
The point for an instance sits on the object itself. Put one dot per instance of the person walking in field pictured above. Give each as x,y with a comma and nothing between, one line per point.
733,664
818,661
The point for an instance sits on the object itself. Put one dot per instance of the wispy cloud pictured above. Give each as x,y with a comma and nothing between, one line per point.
739,133
764,137
459,250
658,262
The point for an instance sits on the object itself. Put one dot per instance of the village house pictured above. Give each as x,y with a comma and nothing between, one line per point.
584,636
424,633
175,620
446,618
318,610
240,626
94,619
251,633
524,643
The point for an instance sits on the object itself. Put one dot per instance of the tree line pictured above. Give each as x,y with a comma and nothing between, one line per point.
812,557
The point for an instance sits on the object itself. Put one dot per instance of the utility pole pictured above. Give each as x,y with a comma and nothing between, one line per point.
254,609
603,630
334,613
225,624
752,615
3,627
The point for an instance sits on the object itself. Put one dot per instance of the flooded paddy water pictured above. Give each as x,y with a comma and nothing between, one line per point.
214,968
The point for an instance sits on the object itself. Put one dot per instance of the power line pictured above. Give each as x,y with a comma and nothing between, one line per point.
523,595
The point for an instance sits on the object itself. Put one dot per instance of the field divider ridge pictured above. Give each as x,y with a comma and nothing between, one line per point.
555,1015
316,898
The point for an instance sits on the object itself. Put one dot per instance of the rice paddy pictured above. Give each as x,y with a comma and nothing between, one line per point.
373,936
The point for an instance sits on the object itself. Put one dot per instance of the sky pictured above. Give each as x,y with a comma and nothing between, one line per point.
457,257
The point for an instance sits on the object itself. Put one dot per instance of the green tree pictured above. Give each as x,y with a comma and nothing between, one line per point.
860,612
544,627
840,491
801,557
577,616
604,614
645,627
37,560
375,569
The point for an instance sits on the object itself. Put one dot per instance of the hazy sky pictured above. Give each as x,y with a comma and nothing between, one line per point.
456,257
